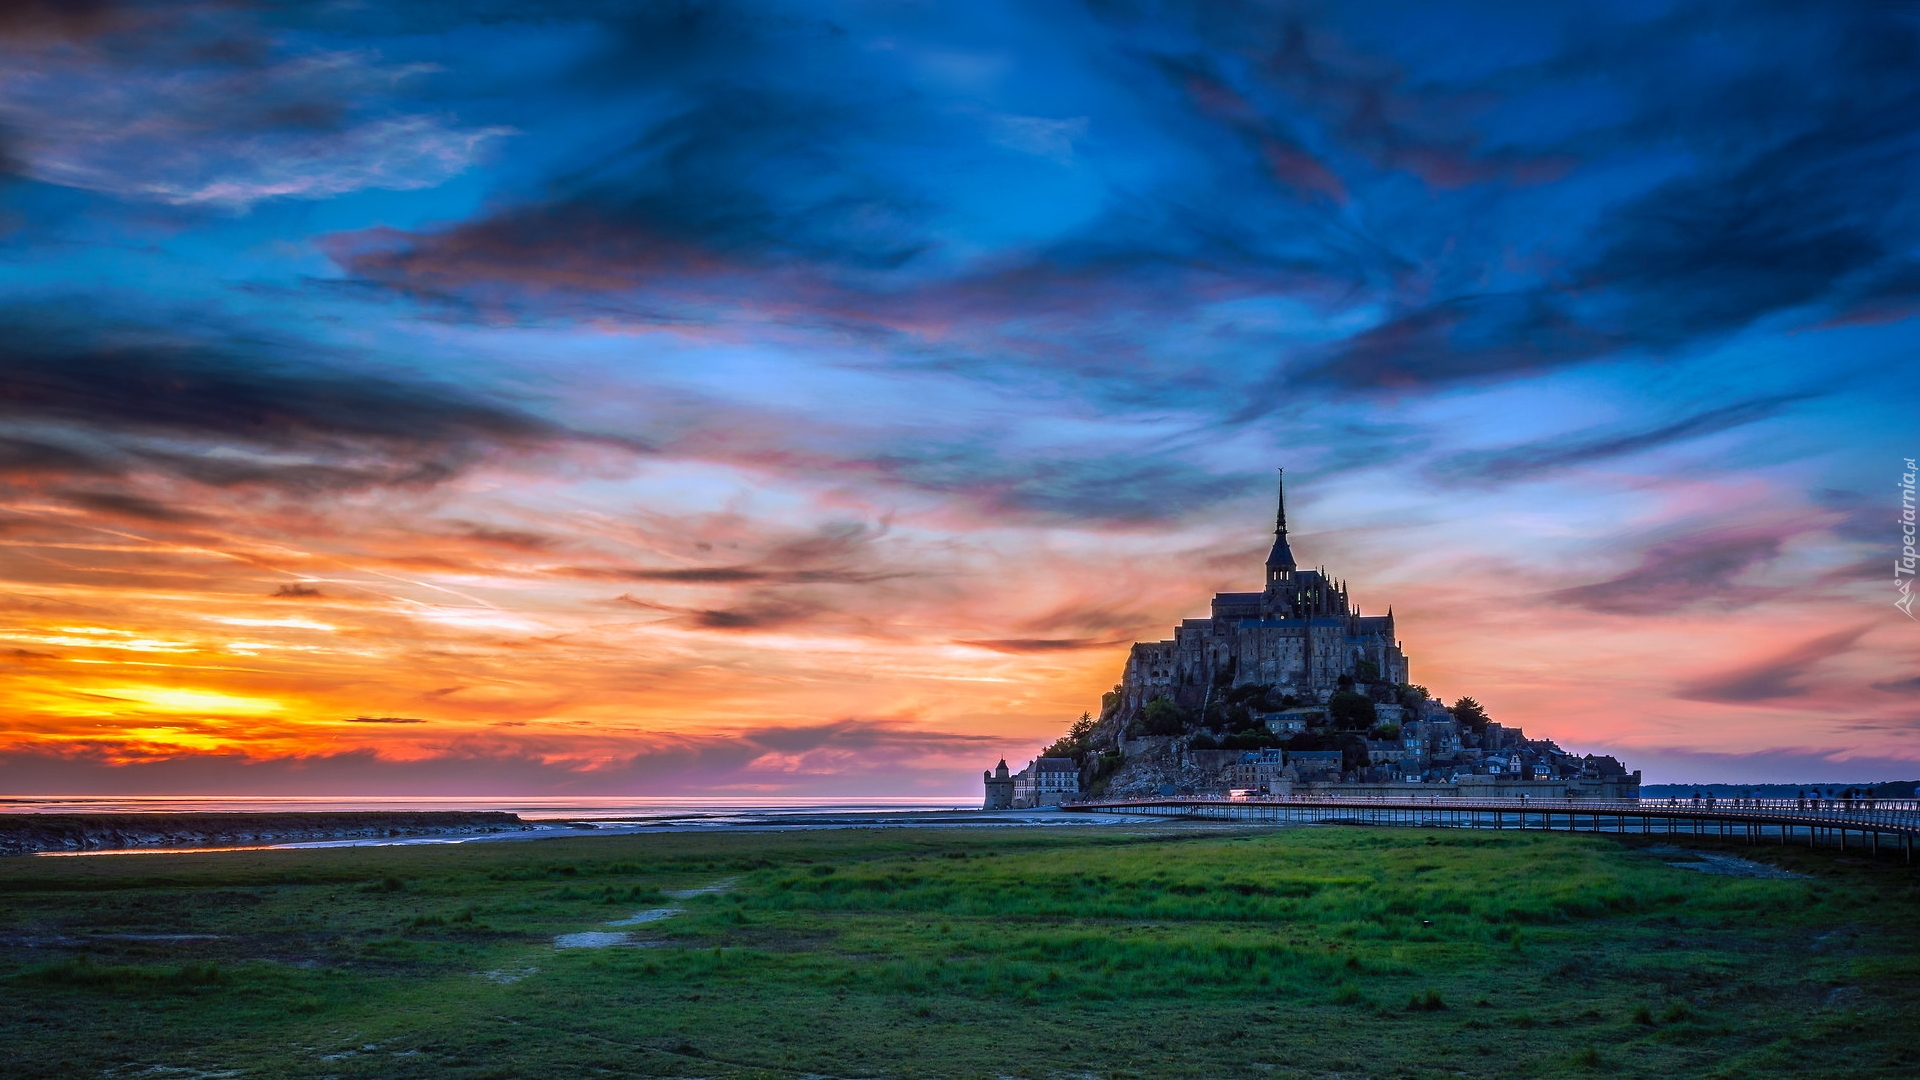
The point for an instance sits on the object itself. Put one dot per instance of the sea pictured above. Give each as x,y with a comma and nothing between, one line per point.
568,817
719,810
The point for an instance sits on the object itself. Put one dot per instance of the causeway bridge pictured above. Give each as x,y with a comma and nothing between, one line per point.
1850,825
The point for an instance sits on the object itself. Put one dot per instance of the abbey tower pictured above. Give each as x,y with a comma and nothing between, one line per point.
1298,635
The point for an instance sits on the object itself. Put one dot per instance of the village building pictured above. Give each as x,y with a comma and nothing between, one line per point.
1047,781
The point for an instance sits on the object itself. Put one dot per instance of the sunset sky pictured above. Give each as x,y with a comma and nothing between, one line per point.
496,397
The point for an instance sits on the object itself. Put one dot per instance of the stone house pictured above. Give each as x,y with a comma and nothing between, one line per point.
1047,781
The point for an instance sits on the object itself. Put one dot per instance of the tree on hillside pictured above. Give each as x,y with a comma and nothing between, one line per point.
1163,717
1471,715
1074,743
1353,753
1351,712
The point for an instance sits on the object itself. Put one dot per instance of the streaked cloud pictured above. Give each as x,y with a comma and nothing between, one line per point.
1780,675
1676,574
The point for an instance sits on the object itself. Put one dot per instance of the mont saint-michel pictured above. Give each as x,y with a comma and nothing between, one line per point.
1291,690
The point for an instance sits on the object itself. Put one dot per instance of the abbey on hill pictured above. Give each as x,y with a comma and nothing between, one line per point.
1299,636
1290,690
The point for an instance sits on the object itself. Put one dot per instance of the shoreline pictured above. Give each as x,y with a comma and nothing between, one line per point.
35,834
68,835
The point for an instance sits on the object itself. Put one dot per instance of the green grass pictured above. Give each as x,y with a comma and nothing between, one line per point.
1168,951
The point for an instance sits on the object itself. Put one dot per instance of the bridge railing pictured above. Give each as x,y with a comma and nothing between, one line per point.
1899,813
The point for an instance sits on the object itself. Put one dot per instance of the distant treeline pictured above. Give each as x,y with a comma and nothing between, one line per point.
1886,789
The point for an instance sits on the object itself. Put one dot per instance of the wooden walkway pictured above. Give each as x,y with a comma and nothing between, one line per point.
1858,825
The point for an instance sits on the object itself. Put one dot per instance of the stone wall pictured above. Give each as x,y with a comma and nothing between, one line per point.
1482,788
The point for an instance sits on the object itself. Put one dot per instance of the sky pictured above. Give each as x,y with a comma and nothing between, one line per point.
762,399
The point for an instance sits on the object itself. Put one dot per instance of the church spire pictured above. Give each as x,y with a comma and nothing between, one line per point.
1280,565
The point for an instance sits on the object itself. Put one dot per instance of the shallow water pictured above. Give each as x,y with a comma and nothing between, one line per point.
653,915
630,808
1717,862
591,939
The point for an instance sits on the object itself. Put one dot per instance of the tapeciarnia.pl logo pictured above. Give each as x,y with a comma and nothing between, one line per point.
1904,565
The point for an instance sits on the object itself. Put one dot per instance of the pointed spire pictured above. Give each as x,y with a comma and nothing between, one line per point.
1280,564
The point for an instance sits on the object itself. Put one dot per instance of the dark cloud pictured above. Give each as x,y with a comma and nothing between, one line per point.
1873,568
1712,253
1864,519
1779,676
838,553
1797,200
1091,619
153,399
385,720
1899,686
785,579
1017,646
178,383
1284,79
736,170
731,575
122,504
515,539
1887,295
55,19
866,734
1534,459
27,458
760,610
1679,573
1120,489
1896,725
296,592
1463,337
692,575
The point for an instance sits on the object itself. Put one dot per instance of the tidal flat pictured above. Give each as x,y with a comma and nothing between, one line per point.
1164,951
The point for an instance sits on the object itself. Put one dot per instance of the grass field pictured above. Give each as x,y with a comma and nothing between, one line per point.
1167,951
